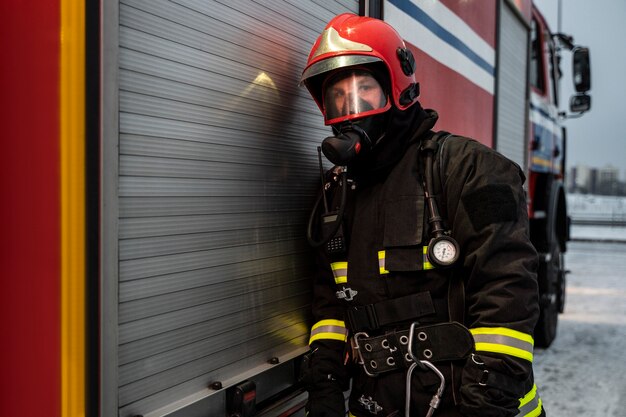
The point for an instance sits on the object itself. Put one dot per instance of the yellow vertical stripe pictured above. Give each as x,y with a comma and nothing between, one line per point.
427,264
381,262
72,149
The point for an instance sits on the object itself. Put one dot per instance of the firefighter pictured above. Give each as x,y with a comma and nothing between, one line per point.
426,297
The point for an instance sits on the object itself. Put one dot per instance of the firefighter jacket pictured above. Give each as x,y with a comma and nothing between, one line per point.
384,282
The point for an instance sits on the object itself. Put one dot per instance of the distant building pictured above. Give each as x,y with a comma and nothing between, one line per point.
608,181
570,180
586,180
582,179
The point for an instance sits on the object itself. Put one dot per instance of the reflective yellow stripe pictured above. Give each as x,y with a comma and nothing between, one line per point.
427,264
497,348
329,329
340,272
530,404
528,397
503,340
381,262
505,332
329,322
72,154
542,161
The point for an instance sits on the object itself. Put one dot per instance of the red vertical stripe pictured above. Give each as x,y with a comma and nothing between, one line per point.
30,239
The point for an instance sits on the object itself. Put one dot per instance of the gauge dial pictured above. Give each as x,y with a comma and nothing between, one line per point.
443,251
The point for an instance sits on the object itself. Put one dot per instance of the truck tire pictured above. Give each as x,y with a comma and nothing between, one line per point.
550,269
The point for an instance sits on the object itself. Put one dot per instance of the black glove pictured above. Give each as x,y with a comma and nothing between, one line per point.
326,402
325,378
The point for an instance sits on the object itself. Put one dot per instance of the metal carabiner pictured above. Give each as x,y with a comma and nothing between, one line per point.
436,399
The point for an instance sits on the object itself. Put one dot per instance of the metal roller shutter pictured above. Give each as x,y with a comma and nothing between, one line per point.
217,172
511,90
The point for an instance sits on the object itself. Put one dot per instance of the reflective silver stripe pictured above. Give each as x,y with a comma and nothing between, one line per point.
329,329
503,340
340,272
427,264
530,405
381,262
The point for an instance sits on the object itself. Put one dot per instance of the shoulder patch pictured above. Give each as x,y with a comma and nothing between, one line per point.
493,203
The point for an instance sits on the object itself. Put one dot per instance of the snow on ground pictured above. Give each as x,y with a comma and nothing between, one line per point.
583,373
586,206
598,233
581,207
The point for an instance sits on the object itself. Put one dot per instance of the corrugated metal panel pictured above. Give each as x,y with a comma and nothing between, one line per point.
512,87
218,169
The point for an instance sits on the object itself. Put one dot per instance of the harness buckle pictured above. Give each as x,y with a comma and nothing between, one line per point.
347,294
357,347
370,405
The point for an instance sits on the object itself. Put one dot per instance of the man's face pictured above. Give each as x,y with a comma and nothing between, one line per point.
354,93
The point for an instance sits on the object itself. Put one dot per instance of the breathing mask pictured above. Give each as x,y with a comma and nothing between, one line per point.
353,139
354,104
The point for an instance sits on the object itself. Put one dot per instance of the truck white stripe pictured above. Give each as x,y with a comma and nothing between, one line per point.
444,36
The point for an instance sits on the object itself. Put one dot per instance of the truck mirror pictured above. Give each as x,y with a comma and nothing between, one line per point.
580,103
581,69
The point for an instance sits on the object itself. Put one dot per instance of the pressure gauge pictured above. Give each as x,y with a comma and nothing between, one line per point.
443,251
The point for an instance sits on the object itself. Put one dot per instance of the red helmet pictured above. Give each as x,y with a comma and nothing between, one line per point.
362,43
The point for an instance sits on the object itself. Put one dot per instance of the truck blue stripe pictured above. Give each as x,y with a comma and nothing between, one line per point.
421,16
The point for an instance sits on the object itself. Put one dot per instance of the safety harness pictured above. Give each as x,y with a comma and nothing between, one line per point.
445,341
419,346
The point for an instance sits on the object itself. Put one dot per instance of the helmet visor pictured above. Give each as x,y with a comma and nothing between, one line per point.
352,94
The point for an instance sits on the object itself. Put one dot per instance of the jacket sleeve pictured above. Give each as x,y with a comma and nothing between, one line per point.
324,370
487,207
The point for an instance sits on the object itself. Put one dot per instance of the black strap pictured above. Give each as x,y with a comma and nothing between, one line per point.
383,313
456,287
435,343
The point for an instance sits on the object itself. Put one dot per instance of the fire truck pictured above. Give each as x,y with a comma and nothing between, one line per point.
160,164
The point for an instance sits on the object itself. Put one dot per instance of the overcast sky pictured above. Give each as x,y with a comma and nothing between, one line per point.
598,138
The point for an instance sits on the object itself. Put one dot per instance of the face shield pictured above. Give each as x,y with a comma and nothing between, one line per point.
352,95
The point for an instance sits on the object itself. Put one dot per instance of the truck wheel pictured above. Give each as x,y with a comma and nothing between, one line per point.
548,278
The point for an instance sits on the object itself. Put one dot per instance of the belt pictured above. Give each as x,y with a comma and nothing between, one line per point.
374,316
396,350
